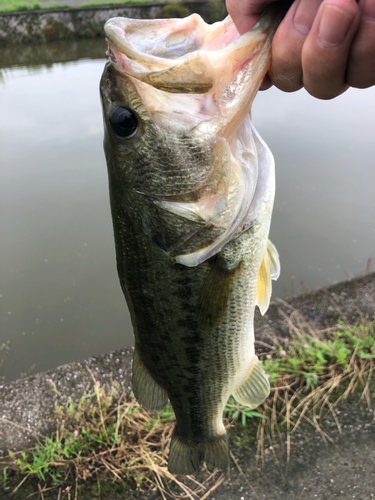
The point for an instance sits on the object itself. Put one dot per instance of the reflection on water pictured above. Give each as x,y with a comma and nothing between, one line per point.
60,299
48,54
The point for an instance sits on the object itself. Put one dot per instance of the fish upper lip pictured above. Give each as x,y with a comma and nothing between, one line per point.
180,49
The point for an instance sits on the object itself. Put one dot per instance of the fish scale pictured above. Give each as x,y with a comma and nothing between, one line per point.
191,199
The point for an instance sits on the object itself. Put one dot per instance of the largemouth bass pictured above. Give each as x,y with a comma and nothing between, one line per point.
191,189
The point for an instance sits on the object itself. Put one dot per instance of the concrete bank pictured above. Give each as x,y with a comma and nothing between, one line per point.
344,469
41,26
29,402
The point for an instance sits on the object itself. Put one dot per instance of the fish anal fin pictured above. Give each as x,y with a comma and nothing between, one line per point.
255,389
186,457
146,390
215,294
269,270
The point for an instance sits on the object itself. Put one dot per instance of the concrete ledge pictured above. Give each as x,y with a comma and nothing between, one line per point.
46,25
29,402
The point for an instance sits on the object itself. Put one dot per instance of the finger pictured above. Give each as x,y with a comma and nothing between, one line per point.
286,68
246,13
266,83
326,49
361,64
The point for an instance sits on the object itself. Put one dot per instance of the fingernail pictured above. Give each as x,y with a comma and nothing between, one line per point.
334,26
305,15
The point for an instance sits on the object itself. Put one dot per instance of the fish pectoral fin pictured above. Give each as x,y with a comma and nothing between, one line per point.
186,457
146,390
269,270
215,294
274,259
255,389
186,210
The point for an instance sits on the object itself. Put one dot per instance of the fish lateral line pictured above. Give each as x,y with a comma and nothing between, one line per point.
215,294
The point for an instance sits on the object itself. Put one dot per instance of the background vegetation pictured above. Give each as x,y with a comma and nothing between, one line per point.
107,438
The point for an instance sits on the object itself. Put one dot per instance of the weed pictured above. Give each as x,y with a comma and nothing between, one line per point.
234,411
174,10
107,435
18,5
5,478
112,2
55,5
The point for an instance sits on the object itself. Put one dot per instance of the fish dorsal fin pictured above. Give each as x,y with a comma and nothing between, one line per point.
269,270
215,294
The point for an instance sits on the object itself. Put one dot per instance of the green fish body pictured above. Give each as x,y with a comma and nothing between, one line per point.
191,189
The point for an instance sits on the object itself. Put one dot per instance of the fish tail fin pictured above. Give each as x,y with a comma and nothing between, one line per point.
186,458
216,452
146,390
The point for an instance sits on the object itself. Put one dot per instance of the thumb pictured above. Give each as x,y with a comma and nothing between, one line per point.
245,13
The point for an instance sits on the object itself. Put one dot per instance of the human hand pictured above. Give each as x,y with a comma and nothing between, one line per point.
325,46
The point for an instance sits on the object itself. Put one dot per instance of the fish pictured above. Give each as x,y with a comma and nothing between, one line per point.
192,188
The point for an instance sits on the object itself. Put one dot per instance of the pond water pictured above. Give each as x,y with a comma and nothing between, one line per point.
60,299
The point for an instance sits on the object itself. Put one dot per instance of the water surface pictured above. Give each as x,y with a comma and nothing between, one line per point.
60,299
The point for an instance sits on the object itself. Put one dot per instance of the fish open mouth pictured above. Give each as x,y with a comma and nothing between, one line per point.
179,55
188,56
203,78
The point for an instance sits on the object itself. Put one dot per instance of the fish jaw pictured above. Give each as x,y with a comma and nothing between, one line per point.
196,82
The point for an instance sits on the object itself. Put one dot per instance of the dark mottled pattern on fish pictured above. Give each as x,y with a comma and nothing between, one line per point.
184,186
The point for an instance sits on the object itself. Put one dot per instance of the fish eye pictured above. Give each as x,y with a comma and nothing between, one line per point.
123,122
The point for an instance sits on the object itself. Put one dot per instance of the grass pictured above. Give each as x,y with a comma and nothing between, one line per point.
19,5
112,2
107,436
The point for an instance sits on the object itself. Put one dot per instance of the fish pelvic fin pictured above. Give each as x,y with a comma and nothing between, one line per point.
255,389
186,457
146,390
215,294
269,270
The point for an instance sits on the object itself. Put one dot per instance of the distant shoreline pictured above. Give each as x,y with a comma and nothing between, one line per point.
72,23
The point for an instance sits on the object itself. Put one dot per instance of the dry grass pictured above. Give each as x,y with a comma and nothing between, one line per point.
292,401
109,437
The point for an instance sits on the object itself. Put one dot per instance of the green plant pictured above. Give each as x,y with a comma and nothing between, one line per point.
18,5
234,411
311,357
174,10
217,10
5,478
106,435
55,5
112,2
